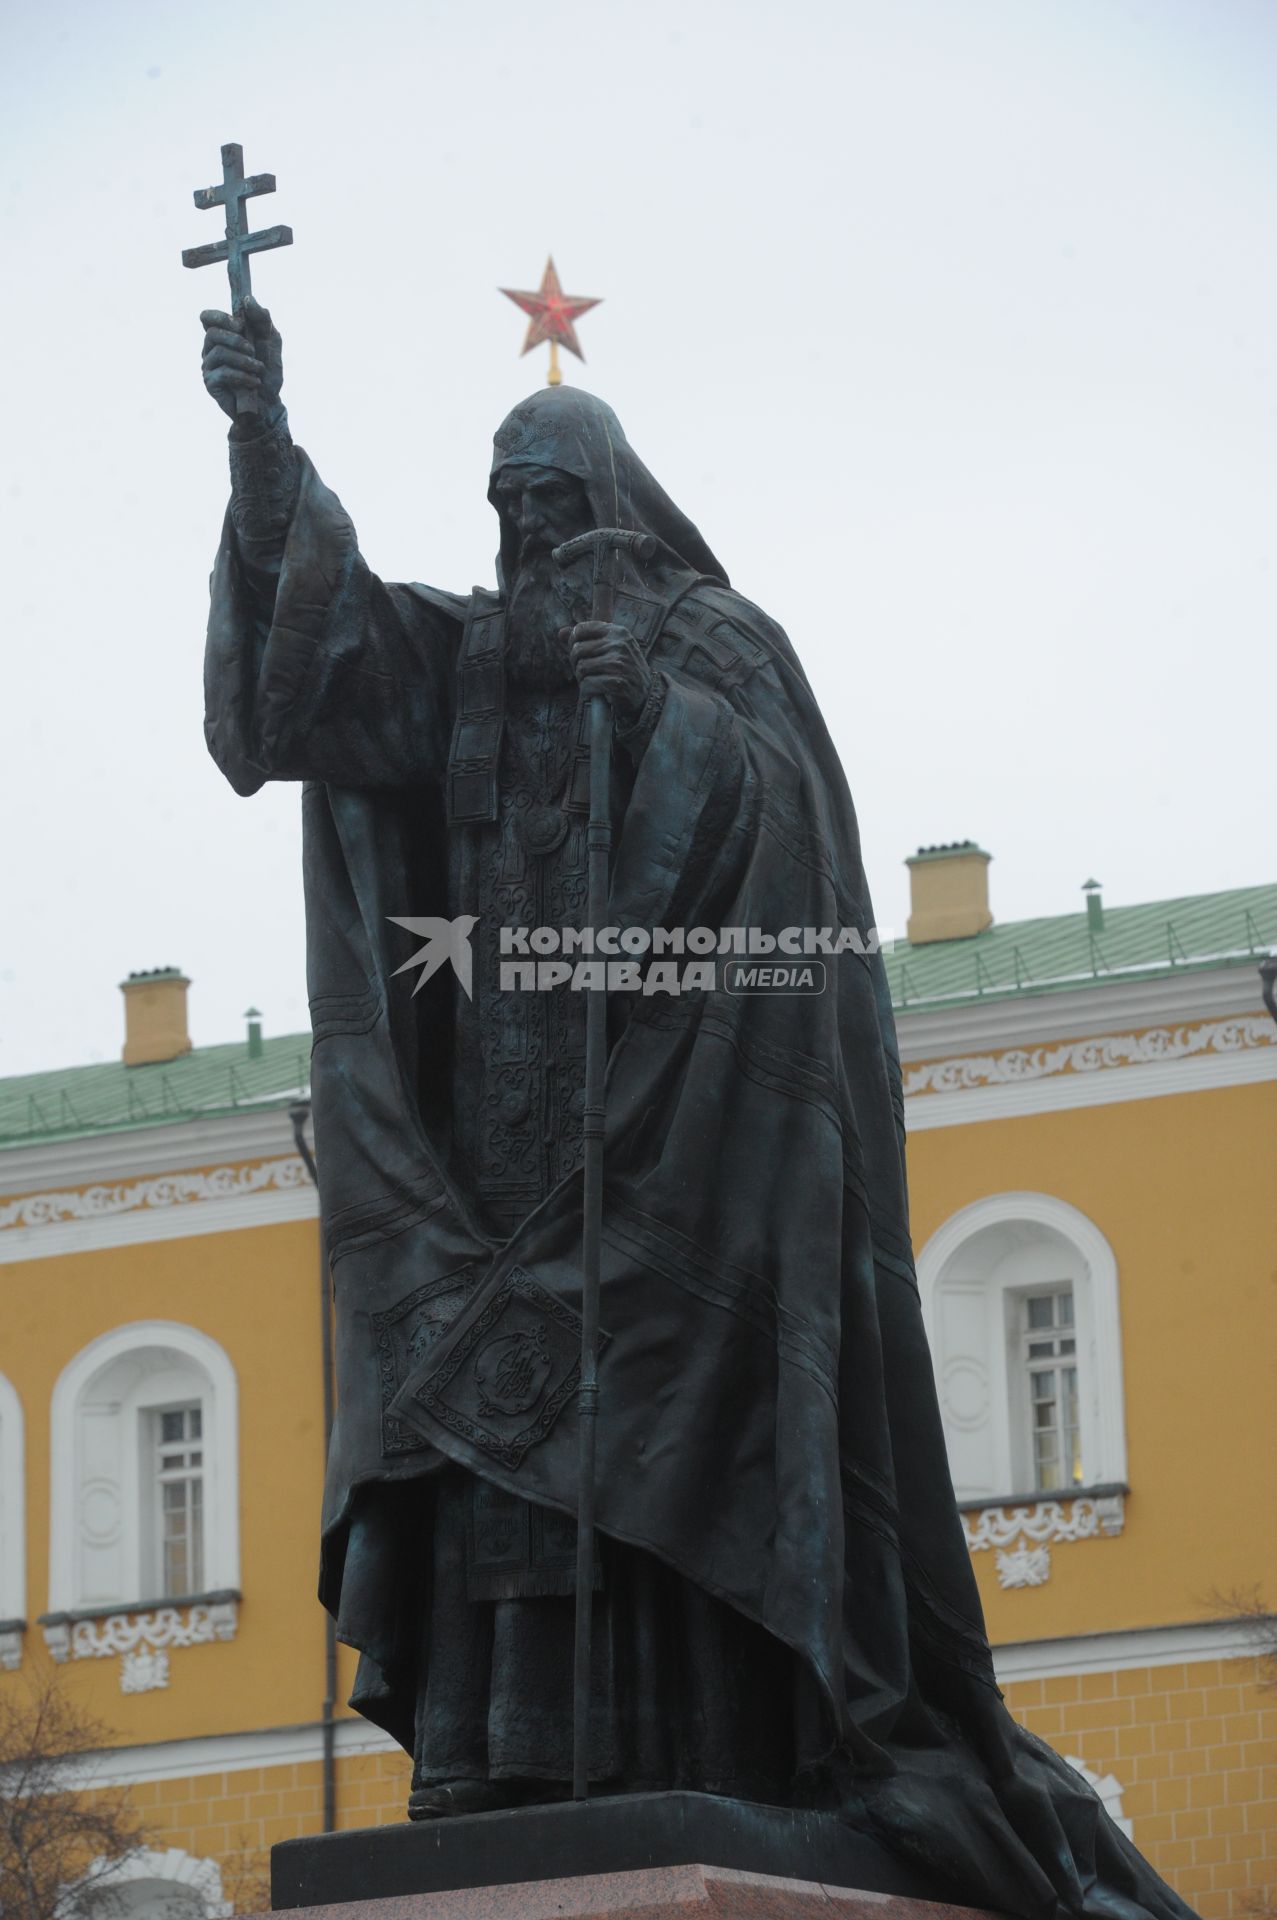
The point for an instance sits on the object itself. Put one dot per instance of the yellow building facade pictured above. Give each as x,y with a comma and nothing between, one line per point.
1091,1103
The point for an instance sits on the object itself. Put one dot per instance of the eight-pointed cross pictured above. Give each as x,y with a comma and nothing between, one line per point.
239,242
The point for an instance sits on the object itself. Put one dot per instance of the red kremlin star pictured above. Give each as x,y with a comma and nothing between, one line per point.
552,311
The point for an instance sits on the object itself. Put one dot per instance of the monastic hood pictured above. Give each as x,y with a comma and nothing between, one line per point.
577,433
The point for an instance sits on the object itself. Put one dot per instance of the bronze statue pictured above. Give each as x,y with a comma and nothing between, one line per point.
783,1603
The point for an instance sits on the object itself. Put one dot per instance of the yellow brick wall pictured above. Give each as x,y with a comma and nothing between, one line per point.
1193,1747
236,1818
1195,1751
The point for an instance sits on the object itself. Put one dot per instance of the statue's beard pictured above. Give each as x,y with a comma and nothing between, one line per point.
543,598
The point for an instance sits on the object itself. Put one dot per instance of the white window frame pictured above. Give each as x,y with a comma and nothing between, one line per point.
13,1518
1020,1369
220,1419
151,1451
1096,1312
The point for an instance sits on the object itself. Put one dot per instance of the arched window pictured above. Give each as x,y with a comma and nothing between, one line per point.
13,1537
1020,1298
168,1885
145,1489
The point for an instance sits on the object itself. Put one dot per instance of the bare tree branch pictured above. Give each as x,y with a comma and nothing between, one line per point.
1248,1606
246,1876
60,1837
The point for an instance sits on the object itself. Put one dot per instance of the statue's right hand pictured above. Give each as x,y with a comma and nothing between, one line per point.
243,353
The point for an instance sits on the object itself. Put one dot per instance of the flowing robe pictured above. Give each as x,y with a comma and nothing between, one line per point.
769,1427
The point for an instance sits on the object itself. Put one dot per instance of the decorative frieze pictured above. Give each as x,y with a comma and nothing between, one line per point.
162,1191
1024,1566
144,1670
1022,1537
142,1639
1016,1065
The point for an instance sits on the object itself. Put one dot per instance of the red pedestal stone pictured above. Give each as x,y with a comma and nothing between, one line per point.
656,1893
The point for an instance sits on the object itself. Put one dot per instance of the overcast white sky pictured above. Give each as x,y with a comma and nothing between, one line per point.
952,322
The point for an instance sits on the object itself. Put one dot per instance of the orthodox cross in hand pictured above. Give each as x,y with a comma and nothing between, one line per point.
239,242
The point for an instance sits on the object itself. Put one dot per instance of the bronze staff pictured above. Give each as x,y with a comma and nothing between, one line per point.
605,543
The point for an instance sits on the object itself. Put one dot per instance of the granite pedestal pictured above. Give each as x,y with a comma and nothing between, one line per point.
438,1869
659,1893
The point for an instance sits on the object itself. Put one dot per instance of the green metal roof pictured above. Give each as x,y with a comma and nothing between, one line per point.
1156,940
111,1098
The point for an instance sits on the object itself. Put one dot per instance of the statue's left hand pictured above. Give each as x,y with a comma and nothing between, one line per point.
607,659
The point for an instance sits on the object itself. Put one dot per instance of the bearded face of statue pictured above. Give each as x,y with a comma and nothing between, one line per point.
543,508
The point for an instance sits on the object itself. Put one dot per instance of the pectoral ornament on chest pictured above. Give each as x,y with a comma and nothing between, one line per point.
542,828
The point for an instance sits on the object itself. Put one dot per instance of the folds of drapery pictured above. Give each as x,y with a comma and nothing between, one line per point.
769,1425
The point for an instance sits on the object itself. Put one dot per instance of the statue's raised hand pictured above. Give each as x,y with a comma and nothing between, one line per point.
243,353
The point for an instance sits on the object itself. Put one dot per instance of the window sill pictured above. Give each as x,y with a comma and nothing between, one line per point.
105,1609
142,1632
1022,1528
1102,1490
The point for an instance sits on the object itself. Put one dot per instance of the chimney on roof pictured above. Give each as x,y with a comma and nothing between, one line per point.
155,1025
1094,906
949,892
